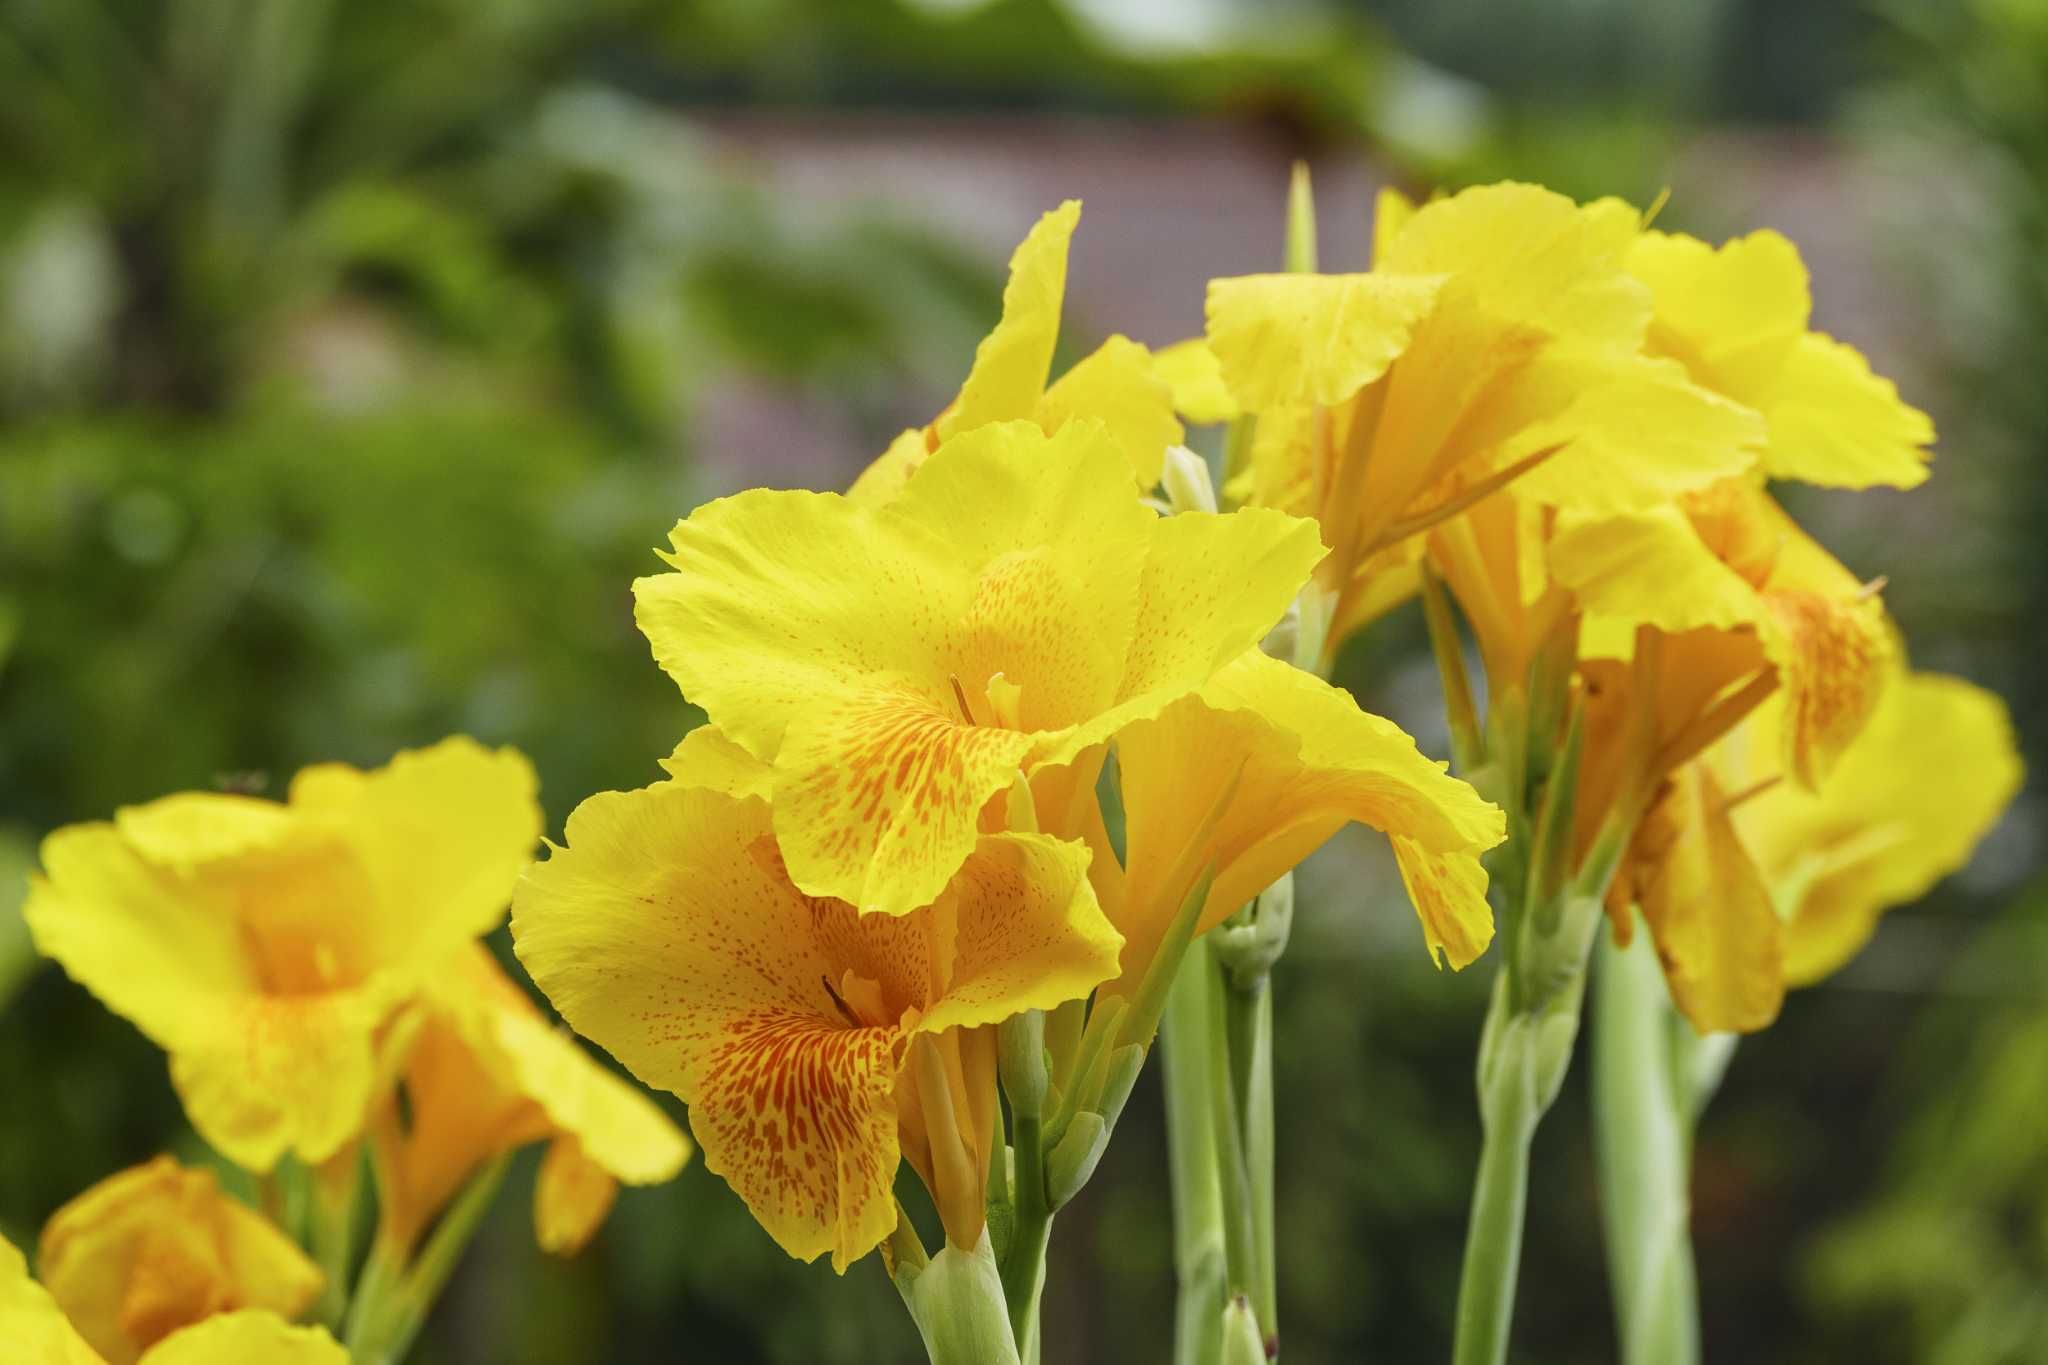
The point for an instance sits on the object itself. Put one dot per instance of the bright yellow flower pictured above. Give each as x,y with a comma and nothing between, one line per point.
1752,884
1706,905
158,1247
1297,760
265,946
814,1044
157,1267
486,1074
1116,385
1498,337
1747,600
1737,317
1014,607
1908,803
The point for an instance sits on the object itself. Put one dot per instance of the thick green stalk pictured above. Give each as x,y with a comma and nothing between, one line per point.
1643,1106
1523,1056
1191,1164
404,1294
1249,1027
957,1301
1023,1270
331,1227
1240,1242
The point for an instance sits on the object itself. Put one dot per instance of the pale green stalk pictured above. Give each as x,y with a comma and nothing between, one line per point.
1198,1256
396,1294
956,1299
1652,1075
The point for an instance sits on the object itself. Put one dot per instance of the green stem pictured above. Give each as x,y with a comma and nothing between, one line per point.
1233,1177
331,1233
1493,1241
1643,1108
957,1301
382,1270
1249,1014
1191,1164
1023,1271
384,1331
1523,1056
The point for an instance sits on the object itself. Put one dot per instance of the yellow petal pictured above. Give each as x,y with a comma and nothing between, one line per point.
884,478
1011,364
158,949
1730,314
1116,385
488,1074
441,833
1289,340
250,1335
571,1197
260,1072
882,794
1906,805
1704,900
668,931
1190,369
1649,568
1634,433
1305,761
1214,584
1530,256
761,615
284,1073
1282,470
1737,317
31,1323
1833,422
706,758
159,1247
1014,606
1448,891
1833,659
188,831
1028,933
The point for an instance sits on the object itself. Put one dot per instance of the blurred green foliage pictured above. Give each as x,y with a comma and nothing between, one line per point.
352,360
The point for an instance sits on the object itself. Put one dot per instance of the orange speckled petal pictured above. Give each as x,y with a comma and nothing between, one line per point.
879,794
666,932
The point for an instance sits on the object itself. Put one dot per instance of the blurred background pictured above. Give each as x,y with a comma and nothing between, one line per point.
352,360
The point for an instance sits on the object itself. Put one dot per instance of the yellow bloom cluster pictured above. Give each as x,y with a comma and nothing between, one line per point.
995,735
315,971
888,839
1570,418
156,1266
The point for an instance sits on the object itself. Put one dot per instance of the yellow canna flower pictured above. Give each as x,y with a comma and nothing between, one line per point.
1706,906
266,946
814,1044
1752,884
158,1247
1013,608
1910,800
1295,760
1736,317
155,1266
1115,385
1497,338
1746,601
486,1074
36,1332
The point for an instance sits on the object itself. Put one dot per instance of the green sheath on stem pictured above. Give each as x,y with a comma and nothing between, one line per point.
1642,1129
1191,1164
